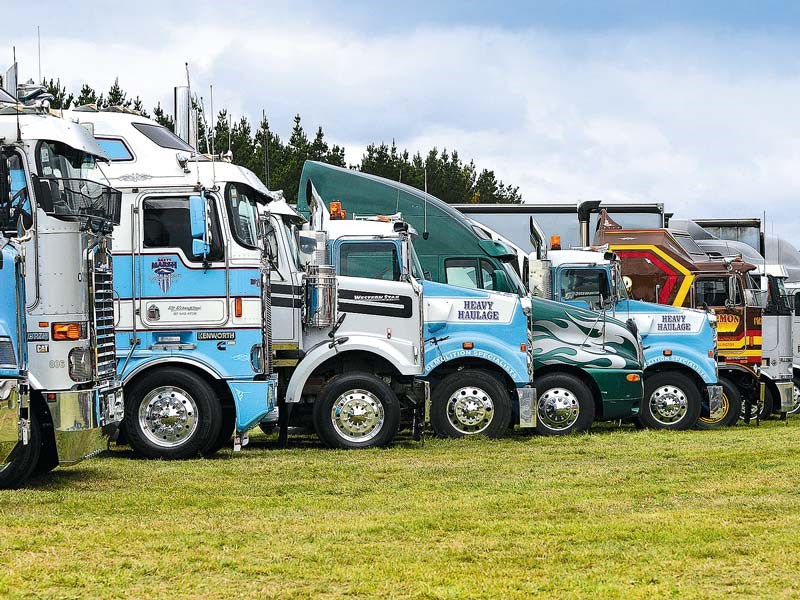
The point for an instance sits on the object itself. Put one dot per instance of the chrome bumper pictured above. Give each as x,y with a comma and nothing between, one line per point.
84,421
527,406
13,428
714,398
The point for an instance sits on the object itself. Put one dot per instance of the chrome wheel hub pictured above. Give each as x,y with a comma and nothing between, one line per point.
168,416
357,415
668,404
558,409
470,410
796,404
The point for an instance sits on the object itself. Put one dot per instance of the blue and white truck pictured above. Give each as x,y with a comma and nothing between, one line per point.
192,310
17,448
63,218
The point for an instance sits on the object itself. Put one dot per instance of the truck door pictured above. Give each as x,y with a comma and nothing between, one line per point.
724,295
177,287
373,291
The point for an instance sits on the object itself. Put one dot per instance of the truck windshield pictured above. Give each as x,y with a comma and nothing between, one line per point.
64,186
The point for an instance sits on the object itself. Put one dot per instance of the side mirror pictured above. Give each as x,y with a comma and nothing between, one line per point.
500,281
199,226
729,304
5,192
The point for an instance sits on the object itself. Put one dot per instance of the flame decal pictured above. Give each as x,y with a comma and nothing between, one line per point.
579,341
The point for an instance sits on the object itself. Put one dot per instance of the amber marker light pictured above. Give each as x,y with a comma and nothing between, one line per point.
667,353
467,345
633,377
43,324
237,307
67,331
523,347
555,242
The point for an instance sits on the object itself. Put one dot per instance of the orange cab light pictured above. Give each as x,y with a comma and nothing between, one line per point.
43,324
384,219
555,242
523,347
633,377
467,345
667,353
67,331
237,307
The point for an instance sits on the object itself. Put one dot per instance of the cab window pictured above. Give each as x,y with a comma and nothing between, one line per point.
371,260
711,291
462,272
167,225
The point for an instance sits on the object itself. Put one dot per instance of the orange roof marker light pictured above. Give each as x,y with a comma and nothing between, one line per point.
555,242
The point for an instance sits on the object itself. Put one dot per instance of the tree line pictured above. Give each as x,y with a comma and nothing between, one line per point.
448,176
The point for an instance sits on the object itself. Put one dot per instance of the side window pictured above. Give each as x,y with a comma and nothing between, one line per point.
583,284
371,260
166,225
711,291
116,149
462,272
487,275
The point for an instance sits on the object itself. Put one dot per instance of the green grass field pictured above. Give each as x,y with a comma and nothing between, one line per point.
618,513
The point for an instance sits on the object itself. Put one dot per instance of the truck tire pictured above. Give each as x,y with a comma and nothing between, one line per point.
796,396
470,402
671,401
23,459
226,430
357,410
766,408
565,405
172,413
729,412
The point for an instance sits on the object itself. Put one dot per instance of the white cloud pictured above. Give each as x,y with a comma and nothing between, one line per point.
703,121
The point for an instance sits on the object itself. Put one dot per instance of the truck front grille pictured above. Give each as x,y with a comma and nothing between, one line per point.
103,313
7,356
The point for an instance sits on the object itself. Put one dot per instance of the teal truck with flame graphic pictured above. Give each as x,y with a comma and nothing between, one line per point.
587,365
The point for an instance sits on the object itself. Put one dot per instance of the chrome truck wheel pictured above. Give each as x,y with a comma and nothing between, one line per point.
470,410
357,410
671,401
558,409
357,415
565,405
172,413
795,397
470,402
168,416
729,410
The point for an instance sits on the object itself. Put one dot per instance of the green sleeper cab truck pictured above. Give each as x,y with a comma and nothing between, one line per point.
587,365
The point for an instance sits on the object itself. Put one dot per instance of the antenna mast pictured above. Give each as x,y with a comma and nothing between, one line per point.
266,145
213,132
39,44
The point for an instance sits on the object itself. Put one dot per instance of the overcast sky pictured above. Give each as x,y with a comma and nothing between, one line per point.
691,104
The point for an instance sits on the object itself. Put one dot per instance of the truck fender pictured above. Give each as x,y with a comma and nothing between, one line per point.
698,362
147,363
322,352
513,363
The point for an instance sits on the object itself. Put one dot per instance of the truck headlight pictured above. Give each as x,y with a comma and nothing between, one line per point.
80,364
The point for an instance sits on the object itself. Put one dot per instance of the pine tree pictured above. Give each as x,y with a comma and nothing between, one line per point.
116,96
86,96
162,118
61,99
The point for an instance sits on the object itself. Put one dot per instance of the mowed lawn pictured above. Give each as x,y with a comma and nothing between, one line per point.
617,513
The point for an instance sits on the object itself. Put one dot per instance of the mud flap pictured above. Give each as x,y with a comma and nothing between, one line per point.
714,398
527,407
